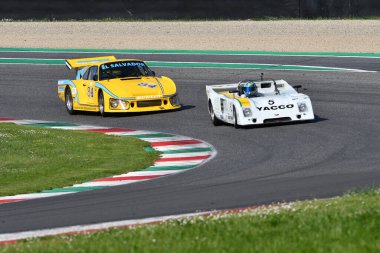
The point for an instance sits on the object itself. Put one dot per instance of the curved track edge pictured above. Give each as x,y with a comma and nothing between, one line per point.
125,224
178,153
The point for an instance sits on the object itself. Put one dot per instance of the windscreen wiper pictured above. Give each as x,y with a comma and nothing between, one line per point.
130,78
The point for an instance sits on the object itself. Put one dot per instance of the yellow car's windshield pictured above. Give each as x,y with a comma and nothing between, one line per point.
124,69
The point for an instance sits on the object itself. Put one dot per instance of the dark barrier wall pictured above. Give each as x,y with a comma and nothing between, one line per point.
147,9
181,9
339,8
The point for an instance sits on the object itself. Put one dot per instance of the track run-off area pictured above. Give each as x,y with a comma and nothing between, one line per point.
336,153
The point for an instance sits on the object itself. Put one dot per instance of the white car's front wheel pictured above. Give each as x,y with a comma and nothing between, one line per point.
214,119
236,125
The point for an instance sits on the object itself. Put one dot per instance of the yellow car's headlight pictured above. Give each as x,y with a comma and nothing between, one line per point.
114,103
174,100
124,104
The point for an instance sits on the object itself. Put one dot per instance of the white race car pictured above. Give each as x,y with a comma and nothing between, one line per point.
257,102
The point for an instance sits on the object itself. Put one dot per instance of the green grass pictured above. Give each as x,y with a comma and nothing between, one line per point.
38,158
347,224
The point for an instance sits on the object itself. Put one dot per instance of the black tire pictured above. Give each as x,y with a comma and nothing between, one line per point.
214,119
69,101
101,104
236,125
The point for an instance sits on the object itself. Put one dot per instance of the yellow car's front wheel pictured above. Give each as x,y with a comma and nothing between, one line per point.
69,101
101,104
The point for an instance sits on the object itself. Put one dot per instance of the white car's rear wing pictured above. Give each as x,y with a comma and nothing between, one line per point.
266,85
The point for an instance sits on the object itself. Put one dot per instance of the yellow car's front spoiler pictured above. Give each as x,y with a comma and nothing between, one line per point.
143,109
133,107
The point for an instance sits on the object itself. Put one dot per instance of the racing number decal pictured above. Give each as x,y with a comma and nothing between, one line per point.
90,92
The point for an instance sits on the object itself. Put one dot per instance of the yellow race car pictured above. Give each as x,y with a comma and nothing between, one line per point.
109,85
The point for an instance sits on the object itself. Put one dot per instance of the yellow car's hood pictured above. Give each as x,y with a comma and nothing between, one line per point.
139,87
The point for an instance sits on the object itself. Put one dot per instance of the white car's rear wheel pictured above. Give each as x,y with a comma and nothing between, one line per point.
214,119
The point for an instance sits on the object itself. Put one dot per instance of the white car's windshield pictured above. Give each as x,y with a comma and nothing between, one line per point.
124,69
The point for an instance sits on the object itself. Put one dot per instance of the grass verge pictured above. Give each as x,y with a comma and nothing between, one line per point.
36,158
344,224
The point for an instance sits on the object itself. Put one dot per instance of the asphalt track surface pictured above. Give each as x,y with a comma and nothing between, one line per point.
336,153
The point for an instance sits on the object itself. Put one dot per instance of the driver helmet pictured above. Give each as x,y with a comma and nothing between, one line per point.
249,89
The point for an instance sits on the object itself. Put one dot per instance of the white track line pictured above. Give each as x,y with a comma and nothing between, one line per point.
107,183
148,173
179,147
177,155
163,139
128,133
87,228
27,122
195,162
80,128
33,195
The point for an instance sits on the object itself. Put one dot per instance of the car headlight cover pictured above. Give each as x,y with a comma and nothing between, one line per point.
302,107
247,112
114,103
124,104
174,100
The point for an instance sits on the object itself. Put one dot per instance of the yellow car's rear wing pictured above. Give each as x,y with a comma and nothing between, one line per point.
83,62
